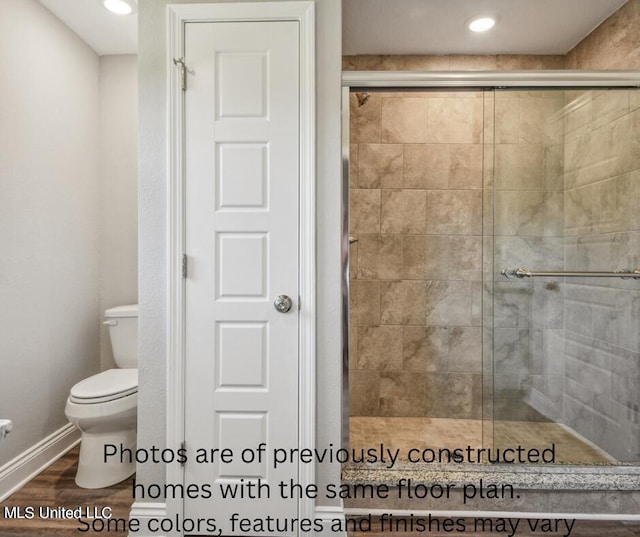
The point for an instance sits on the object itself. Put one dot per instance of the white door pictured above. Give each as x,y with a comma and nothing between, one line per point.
242,205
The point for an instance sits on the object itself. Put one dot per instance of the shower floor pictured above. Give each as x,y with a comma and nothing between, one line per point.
407,433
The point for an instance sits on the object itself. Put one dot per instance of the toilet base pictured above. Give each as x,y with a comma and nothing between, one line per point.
93,472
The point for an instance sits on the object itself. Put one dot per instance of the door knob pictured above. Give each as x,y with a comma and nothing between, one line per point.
282,303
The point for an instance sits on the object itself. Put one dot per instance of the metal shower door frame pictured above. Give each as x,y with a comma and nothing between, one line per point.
354,81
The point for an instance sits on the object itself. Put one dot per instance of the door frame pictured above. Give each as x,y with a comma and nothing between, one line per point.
177,16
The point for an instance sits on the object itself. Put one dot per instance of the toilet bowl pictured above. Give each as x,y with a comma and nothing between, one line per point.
104,406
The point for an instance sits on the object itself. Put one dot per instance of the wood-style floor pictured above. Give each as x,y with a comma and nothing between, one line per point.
55,487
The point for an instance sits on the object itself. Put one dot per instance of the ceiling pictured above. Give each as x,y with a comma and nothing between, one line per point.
103,31
438,26
396,26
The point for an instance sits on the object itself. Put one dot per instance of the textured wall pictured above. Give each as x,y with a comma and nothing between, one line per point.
602,228
417,166
416,210
502,62
615,44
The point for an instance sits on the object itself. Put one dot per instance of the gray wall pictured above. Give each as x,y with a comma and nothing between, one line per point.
68,214
602,230
119,187
605,406
49,220
153,228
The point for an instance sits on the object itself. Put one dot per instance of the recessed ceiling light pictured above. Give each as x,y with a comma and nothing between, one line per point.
121,7
481,24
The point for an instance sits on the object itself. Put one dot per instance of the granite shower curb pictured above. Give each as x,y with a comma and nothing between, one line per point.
599,478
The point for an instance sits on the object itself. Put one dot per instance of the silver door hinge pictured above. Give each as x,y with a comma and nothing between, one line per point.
185,265
179,62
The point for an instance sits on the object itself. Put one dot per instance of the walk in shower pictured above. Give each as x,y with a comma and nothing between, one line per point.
494,263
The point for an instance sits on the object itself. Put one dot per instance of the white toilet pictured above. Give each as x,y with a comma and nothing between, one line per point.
104,406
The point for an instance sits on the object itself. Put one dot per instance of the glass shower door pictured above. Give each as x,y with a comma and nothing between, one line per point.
563,313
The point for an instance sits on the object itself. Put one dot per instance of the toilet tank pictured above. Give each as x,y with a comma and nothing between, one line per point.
123,332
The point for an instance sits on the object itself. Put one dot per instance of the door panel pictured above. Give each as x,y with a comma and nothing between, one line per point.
242,184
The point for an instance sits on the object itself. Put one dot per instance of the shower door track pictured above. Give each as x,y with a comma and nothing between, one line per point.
489,79
353,81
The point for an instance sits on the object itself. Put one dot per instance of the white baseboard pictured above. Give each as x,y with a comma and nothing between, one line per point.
145,511
31,462
327,515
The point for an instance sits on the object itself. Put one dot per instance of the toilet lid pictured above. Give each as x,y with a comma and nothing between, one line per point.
106,386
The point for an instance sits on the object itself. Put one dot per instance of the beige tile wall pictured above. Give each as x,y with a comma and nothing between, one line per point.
418,166
615,44
416,210
451,63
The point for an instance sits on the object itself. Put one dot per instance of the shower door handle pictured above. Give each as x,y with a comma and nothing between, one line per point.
282,303
526,273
